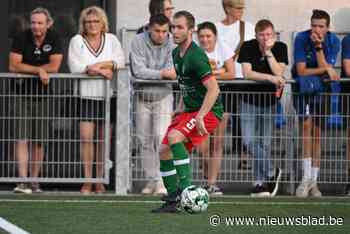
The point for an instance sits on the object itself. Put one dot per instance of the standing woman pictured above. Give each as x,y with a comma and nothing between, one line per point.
220,58
93,51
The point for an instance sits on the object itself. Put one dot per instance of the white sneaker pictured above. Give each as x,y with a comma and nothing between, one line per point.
149,188
22,188
303,188
314,191
160,189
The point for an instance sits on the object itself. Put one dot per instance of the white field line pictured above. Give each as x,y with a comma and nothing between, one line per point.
11,228
257,203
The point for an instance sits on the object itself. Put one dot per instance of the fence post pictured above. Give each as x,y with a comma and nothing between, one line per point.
122,157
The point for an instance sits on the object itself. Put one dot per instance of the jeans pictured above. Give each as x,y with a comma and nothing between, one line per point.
257,123
152,120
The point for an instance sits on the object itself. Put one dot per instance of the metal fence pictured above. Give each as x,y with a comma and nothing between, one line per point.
286,139
60,133
38,119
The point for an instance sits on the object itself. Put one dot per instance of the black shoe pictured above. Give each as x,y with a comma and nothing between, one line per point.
168,207
172,197
272,184
260,191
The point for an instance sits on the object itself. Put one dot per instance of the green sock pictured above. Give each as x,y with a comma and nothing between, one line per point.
169,176
182,164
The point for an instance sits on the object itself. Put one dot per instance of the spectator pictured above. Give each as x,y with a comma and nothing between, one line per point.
157,7
263,59
151,59
220,58
234,31
36,51
315,53
346,90
93,51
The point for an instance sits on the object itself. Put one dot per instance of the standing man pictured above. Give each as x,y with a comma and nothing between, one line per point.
151,59
36,51
315,53
263,59
197,115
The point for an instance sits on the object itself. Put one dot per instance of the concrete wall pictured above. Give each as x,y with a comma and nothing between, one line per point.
287,15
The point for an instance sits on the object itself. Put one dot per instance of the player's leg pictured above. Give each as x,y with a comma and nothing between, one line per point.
161,120
170,180
167,169
181,158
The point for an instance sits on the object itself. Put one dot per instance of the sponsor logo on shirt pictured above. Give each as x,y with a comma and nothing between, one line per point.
47,48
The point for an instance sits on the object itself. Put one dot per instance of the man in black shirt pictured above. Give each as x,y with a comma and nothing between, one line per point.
36,51
264,60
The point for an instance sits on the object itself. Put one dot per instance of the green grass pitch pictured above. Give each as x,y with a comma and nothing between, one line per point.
131,214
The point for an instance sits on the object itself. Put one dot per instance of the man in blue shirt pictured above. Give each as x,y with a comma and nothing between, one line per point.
346,89
315,53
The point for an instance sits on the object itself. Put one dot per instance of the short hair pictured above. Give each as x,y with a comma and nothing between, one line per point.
188,16
321,14
263,24
233,3
93,10
44,11
159,19
156,7
207,25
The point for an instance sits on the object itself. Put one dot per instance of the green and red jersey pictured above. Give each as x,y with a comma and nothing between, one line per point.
192,70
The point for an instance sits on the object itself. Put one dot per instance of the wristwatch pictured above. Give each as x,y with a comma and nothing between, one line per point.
318,48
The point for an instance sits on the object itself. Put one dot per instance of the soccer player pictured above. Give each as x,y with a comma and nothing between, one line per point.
197,115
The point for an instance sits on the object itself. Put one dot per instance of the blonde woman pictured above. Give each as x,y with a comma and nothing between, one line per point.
93,51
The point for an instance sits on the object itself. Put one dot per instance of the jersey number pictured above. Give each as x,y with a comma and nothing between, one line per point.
191,124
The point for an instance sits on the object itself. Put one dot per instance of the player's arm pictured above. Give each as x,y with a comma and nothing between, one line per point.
209,100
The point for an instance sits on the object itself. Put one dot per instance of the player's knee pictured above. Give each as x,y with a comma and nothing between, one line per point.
174,137
164,152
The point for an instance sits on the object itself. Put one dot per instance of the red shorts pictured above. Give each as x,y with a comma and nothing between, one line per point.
185,123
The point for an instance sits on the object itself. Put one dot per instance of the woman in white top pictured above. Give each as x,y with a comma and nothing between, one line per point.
221,60
229,31
95,52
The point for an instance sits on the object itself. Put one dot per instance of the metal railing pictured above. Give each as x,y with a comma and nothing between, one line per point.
63,163
286,140
48,117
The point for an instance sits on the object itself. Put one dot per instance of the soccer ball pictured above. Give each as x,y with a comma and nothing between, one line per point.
194,199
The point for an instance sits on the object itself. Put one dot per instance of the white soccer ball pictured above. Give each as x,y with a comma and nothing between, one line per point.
194,199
